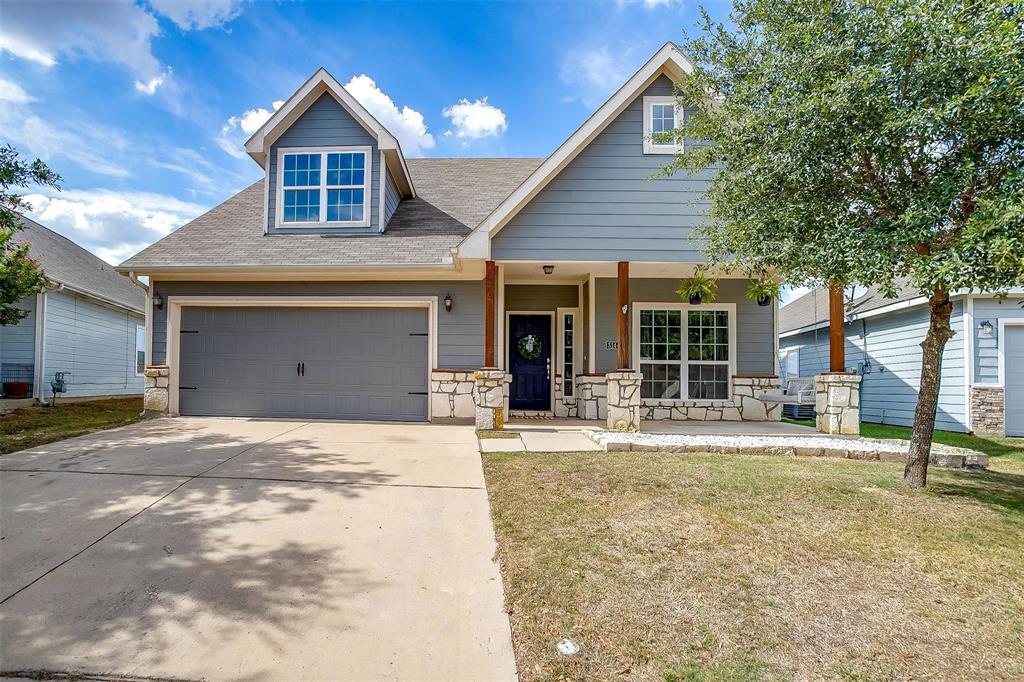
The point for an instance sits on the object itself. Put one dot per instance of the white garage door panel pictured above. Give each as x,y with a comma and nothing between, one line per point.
360,363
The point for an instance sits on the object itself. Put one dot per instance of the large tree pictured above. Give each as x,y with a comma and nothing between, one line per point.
20,275
869,141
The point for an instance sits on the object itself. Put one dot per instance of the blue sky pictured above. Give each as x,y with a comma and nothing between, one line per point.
143,107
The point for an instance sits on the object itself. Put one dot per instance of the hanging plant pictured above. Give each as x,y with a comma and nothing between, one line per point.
529,347
762,290
698,289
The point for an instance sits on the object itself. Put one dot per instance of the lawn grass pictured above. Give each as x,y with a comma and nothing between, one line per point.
719,567
993,446
31,426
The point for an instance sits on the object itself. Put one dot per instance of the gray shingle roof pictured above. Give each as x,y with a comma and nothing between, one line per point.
67,263
453,196
812,307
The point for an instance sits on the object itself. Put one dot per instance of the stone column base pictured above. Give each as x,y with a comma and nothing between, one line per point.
837,403
451,395
157,389
988,411
591,396
624,400
489,391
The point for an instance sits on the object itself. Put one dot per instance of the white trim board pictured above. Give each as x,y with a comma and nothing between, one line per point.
668,60
174,304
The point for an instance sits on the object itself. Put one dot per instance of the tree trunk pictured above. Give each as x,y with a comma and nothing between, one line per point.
939,332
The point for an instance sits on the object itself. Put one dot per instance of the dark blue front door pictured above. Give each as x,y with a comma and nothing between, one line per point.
529,354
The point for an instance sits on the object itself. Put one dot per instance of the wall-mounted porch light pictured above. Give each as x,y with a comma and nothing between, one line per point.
548,269
985,328
447,303
158,301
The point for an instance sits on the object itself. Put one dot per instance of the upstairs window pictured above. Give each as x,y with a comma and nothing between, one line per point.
324,188
661,115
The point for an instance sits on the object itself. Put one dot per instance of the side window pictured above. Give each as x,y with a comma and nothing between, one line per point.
140,349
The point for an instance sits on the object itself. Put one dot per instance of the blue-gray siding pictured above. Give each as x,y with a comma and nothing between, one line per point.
755,325
540,297
890,345
460,333
326,123
18,341
391,197
986,347
604,205
93,342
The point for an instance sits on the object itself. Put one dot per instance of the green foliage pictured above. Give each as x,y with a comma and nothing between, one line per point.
871,141
761,288
700,284
20,275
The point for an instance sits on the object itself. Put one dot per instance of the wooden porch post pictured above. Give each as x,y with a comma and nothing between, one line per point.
622,315
836,329
489,298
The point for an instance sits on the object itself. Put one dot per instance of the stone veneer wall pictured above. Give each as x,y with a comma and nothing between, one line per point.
451,394
490,399
592,396
565,408
987,410
157,389
744,405
837,403
624,400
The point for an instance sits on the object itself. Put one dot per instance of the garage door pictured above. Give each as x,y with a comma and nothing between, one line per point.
338,363
1014,363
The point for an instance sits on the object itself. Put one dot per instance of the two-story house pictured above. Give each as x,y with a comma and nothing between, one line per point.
351,282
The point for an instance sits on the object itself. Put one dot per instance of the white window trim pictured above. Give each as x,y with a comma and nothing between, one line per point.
684,362
145,349
560,347
1001,348
323,152
650,146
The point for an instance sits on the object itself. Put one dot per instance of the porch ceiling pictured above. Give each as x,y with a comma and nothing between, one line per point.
577,271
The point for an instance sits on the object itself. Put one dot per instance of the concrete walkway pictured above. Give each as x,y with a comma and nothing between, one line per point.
252,550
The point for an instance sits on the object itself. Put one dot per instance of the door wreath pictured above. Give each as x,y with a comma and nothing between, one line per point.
529,347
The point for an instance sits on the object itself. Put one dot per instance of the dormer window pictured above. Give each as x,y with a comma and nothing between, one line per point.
661,115
324,187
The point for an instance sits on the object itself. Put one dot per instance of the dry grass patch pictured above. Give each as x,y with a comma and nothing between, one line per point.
723,567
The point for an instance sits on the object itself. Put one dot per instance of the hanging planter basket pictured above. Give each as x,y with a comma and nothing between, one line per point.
529,347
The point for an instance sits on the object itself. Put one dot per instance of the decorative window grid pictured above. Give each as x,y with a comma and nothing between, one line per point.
324,187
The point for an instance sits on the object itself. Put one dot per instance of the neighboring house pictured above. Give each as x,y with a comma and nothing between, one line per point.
351,282
90,324
982,382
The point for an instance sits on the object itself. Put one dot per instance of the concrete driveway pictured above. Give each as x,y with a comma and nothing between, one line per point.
252,550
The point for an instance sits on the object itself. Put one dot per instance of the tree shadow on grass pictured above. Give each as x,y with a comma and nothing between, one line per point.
997,489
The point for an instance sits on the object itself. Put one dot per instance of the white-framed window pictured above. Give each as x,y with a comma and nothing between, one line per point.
661,115
324,187
140,349
685,352
567,365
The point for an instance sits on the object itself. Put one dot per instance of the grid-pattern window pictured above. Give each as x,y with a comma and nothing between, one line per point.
660,353
140,349
338,180
568,355
663,119
707,353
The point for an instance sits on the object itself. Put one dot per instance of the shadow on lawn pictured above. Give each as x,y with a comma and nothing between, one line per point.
218,560
993,488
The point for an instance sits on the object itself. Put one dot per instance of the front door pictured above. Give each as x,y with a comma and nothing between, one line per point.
529,360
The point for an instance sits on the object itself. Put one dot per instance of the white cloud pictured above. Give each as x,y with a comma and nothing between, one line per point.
119,32
476,119
198,14
14,93
150,86
90,145
113,225
595,74
237,129
406,124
